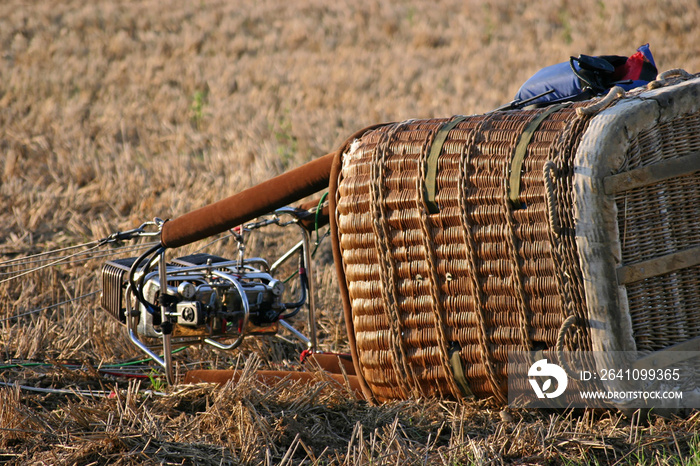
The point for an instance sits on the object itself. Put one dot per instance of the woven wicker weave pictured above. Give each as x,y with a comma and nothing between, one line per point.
485,275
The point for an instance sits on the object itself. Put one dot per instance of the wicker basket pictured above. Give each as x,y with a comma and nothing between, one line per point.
463,239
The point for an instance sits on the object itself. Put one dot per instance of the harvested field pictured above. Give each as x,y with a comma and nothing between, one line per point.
113,113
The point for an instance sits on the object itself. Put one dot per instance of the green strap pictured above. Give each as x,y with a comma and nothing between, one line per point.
516,164
458,372
431,163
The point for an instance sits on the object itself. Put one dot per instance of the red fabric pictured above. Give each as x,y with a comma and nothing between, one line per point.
632,68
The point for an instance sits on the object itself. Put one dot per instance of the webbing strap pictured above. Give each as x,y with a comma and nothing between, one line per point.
431,163
458,372
516,163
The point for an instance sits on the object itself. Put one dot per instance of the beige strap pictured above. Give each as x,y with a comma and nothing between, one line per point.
431,163
516,163
458,371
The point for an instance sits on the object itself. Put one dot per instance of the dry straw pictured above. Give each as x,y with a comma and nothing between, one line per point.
112,113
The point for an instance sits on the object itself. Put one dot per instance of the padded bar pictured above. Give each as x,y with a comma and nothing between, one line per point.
644,176
242,207
271,378
658,266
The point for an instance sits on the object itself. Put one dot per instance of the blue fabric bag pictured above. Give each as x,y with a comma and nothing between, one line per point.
585,76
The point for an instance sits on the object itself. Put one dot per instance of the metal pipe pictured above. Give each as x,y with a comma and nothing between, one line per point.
135,340
132,334
165,319
246,314
311,287
295,332
285,257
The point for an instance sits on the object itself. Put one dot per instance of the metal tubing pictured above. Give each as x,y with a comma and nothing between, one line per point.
284,258
295,332
165,317
135,340
246,314
311,287
134,337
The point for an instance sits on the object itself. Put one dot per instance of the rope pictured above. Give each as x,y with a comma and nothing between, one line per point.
674,73
423,207
550,198
564,247
615,93
553,232
471,257
511,200
568,323
563,329
666,75
387,266
516,274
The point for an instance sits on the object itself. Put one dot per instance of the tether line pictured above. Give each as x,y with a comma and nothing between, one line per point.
8,263
50,264
36,311
111,252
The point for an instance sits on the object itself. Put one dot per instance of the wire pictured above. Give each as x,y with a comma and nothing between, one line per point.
36,311
319,208
112,252
313,253
137,290
32,259
61,391
72,391
24,364
68,248
318,242
112,367
50,264
141,361
128,375
212,242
